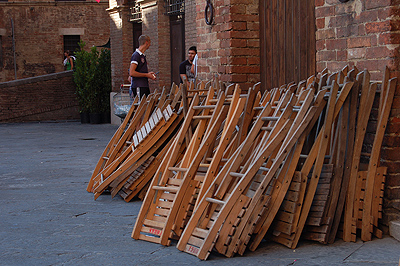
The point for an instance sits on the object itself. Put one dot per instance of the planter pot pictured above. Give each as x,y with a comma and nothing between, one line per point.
95,118
106,118
85,118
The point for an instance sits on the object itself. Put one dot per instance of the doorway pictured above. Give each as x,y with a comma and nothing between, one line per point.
177,40
287,38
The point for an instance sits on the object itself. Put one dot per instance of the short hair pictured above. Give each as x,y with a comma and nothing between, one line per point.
143,39
193,48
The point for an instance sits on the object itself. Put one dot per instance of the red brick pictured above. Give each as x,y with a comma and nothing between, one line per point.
389,38
238,43
253,26
367,16
325,11
238,9
356,53
341,55
319,3
326,55
238,78
320,45
325,34
253,60
393,127
336,44
359,42
392,153
336,66
245,34
392,180
320,23
378,52
391,141
392,193
377,27
377,4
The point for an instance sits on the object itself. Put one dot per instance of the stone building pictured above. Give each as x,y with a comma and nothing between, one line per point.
272,41
34,34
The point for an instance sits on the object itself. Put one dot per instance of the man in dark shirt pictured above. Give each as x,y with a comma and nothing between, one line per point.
138,69
186,66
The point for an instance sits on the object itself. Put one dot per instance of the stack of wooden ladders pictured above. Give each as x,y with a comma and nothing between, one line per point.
131,157
182,176
239,168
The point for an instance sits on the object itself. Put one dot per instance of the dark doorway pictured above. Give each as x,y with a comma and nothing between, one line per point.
177,30
287,36
137,31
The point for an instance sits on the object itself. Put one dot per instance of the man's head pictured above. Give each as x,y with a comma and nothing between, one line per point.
192,53
144,42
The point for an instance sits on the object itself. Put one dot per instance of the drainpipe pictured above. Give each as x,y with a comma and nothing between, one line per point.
13,44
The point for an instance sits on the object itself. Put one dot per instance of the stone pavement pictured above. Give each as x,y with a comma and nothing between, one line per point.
48,218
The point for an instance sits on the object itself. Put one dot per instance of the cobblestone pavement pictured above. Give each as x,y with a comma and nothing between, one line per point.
48,218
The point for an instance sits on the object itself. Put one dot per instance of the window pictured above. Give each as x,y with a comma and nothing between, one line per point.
71,43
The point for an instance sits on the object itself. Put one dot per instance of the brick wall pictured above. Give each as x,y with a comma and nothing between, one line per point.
47,97
230,47
190,24
39,30
366,34
121,45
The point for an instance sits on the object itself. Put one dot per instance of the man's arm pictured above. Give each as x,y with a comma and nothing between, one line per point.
134,73
183,76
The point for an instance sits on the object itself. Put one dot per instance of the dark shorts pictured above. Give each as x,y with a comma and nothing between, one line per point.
142,91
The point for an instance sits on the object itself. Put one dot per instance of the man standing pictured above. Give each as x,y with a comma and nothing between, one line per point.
186,66
138,69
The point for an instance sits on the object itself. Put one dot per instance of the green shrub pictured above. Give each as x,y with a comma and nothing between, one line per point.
92,77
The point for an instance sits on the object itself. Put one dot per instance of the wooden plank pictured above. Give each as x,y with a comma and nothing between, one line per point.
363,115
374,159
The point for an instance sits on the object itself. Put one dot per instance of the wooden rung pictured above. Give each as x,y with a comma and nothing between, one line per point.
201,107
295,109
199,232
197,90
202,117
152,223
258,108
264,169
174,181
267,128
234,174
201,95
204,165
177,169
106,158
270,118
304,156
366,154
222,160
169,189
128,142
221,202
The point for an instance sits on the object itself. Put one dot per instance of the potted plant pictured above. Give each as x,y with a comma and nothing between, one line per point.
92,77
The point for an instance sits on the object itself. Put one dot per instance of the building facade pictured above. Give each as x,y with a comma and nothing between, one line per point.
35,34
275,42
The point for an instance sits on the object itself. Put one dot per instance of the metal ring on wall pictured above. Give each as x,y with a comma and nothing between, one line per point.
209,9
